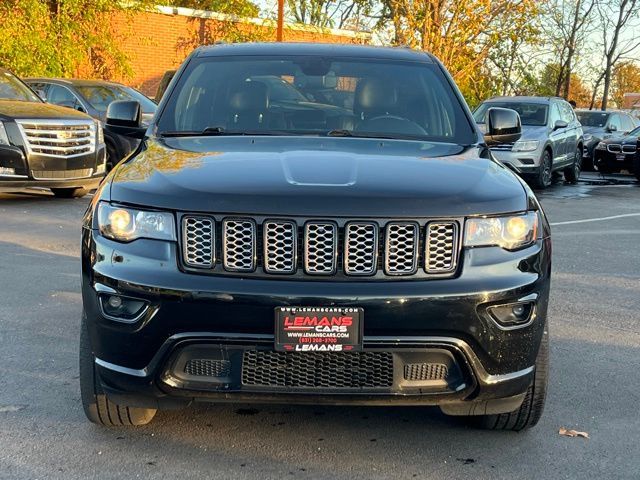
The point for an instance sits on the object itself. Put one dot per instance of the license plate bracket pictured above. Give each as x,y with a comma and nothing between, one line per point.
318,329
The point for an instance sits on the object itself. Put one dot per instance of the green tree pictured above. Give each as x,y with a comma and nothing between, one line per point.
57,37
242,8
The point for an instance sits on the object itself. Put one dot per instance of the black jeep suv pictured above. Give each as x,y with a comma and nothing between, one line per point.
47,146
354,244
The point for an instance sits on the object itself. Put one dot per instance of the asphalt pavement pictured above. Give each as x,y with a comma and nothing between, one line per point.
595,375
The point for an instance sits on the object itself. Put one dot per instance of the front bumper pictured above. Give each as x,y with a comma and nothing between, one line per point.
525,163
613,161
439,322
50,172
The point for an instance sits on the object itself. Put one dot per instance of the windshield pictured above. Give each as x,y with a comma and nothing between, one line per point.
100,96
532,114
315,95
593,119
13,89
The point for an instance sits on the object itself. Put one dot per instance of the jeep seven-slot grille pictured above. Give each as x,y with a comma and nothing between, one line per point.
319,247
355,370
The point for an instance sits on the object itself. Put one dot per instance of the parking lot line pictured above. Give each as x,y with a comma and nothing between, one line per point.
598,219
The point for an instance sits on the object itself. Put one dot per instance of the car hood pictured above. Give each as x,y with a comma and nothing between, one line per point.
12,109
621,139
530,132
595,131
316,176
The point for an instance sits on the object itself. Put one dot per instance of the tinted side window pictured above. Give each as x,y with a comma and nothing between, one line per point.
627,123
566,112
62,96
554,115
614,121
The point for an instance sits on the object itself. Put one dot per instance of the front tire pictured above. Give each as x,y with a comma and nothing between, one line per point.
572,173
544,176
530,411
97,407
69,192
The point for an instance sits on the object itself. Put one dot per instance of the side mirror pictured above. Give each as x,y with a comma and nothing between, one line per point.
124,117
503,126
560,124
124,113
612,128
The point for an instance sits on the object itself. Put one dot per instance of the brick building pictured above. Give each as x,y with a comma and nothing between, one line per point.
159,40
631,101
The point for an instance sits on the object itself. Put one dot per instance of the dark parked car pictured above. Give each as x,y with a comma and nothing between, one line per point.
551,138
93,97
260,252
597,126
164,83
46,146
618,153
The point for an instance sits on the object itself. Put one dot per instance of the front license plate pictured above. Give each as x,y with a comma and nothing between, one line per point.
319,329
621,157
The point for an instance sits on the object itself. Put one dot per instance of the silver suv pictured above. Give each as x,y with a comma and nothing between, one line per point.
551,141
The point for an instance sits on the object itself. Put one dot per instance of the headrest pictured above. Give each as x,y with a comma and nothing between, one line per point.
249,96
374,95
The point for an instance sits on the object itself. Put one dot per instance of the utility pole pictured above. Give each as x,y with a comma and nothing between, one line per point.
280,20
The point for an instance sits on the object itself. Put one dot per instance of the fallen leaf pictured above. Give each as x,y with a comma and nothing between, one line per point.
572,433
11,408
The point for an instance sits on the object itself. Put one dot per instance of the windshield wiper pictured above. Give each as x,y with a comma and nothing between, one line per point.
209,131
221,131
350,133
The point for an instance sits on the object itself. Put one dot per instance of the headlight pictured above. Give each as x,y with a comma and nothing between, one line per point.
601,146
127,224
587,137
4,139
528,146
100,132
511,232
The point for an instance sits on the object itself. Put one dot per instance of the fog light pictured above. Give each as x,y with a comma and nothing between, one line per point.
114,302
7,171
122,309
513,315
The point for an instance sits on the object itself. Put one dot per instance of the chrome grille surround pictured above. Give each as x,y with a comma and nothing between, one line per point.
198,241
58,138
320,248
441,247
360,248
614,148
280,246
239,244
401,248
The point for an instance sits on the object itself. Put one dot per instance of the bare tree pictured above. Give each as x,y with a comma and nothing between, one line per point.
616,18
330,13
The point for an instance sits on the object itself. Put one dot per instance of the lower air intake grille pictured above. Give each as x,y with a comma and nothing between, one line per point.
61,174
204,367
355,370
425,371
442,248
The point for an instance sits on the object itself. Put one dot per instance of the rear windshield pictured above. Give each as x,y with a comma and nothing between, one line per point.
316,95
100,96
593,119
532,114
13,89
